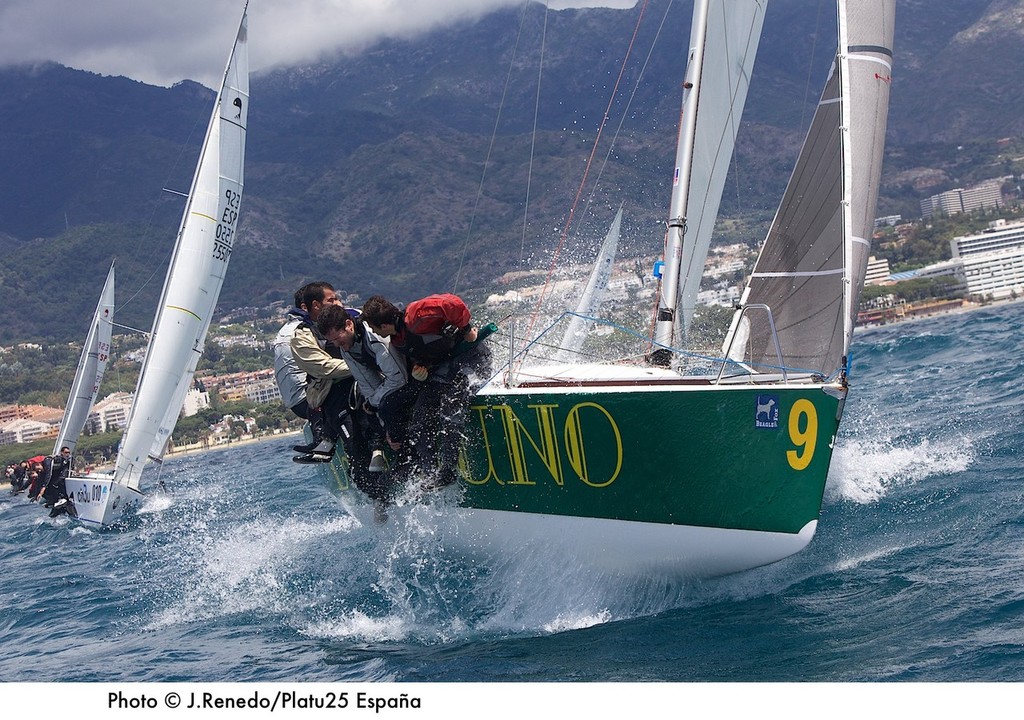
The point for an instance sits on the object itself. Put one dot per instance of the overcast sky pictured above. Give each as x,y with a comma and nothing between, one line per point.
164,41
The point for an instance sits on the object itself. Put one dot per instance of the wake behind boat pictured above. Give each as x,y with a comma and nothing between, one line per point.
191,288
686,464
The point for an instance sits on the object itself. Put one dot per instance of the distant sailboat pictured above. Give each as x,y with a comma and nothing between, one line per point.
191,288
91,366
593,295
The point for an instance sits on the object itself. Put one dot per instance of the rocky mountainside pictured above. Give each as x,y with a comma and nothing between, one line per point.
370,170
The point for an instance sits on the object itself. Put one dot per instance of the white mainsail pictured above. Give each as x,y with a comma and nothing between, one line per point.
91,366
811,269
593,293
723,42
195,276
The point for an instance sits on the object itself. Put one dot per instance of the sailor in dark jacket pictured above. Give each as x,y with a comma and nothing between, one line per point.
55,488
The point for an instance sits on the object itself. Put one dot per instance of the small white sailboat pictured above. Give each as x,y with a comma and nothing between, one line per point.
193,283
91,367
579,324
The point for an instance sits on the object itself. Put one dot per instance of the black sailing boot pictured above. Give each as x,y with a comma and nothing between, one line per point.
316,426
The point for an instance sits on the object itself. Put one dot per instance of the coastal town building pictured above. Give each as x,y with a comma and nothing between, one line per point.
42,413
940,269
989,265
257,386
992,262
877,271
890,220
12,412
986,194
110,413
196,399
25,430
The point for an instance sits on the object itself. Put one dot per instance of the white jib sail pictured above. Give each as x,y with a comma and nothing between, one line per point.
723,42
593,293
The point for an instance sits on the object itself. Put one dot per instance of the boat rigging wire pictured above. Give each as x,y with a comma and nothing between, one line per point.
586,172
490,149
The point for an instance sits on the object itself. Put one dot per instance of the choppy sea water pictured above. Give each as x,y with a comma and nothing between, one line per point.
249,569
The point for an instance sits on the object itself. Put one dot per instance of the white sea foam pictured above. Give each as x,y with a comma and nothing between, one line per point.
244,570
156,502
358,625
849,563
865,471
562,623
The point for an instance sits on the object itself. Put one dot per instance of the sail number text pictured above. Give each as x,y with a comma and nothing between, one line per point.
226,226
88,494
803,432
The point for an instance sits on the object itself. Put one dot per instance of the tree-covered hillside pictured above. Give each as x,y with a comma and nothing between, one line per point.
392,171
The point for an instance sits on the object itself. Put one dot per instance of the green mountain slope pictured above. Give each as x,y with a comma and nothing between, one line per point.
365,170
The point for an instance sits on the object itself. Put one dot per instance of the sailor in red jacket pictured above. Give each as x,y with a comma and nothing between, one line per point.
427,331
432,333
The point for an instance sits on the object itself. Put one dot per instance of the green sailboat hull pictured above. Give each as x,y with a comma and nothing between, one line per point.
706,479
740,458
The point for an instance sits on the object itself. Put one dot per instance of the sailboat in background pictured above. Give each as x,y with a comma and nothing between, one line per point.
593,294
91,367
193,283
685,464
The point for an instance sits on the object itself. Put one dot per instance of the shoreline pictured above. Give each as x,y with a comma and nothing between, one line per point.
198,448
967,307
206,448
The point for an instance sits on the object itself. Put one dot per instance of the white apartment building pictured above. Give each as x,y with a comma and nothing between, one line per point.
890,220
263,391
877,271
110,413
992,261
986,194
24,430
195,400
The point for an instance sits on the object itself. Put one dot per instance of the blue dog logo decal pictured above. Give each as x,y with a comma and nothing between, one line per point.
766,415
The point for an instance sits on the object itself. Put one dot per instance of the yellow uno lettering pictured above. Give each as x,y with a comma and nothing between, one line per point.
576,452
547,450
803,413
464,465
